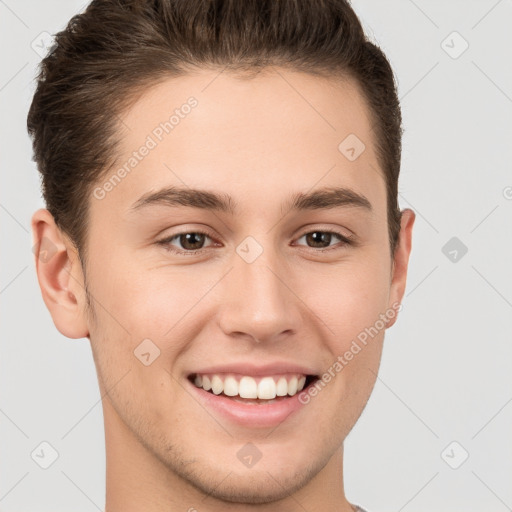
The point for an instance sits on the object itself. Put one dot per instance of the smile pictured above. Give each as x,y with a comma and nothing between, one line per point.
252,389
253,396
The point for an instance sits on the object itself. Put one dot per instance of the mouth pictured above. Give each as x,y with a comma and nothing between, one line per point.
251,390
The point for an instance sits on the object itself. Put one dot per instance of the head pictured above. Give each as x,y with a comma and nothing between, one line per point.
268,132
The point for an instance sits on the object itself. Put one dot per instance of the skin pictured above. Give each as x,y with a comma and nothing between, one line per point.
259,141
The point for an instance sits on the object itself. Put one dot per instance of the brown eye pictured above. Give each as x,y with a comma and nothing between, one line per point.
190,241
322,239
319,238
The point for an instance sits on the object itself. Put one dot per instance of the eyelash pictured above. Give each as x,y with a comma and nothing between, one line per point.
345,240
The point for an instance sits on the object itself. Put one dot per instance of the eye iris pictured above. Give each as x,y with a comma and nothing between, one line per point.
191,238
323,237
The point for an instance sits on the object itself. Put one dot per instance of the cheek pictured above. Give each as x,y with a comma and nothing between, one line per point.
347,299
157,311
147,301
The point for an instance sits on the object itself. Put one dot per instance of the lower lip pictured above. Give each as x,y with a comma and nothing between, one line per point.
249,415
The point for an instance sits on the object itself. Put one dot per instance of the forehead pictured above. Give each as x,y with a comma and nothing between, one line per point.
279,132
275,102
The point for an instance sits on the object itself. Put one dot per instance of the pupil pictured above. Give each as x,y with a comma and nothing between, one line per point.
323,237
188,239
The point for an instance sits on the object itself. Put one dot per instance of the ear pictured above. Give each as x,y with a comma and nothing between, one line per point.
60,276
401,261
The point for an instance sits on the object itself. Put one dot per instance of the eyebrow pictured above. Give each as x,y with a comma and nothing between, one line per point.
324,198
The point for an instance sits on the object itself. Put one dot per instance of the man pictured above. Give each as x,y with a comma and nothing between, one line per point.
222,225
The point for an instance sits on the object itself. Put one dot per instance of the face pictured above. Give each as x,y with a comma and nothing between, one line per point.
262,282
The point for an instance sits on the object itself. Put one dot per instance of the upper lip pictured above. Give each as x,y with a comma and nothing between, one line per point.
252,370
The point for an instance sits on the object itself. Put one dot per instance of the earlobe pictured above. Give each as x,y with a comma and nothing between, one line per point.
401,260
60,276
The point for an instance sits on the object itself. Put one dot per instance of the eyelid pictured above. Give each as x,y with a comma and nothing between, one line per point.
325,229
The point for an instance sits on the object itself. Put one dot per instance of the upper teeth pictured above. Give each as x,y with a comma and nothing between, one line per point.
266,388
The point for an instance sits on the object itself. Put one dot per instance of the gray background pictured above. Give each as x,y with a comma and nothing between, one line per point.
447,365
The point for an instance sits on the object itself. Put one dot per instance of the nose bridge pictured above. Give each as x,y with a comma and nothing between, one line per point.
258,302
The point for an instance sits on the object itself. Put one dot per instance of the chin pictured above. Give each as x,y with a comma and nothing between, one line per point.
255,486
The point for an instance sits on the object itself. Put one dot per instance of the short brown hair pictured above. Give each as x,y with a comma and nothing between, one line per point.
108,55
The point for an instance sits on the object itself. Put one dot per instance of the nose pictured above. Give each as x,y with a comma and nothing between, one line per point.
258,302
